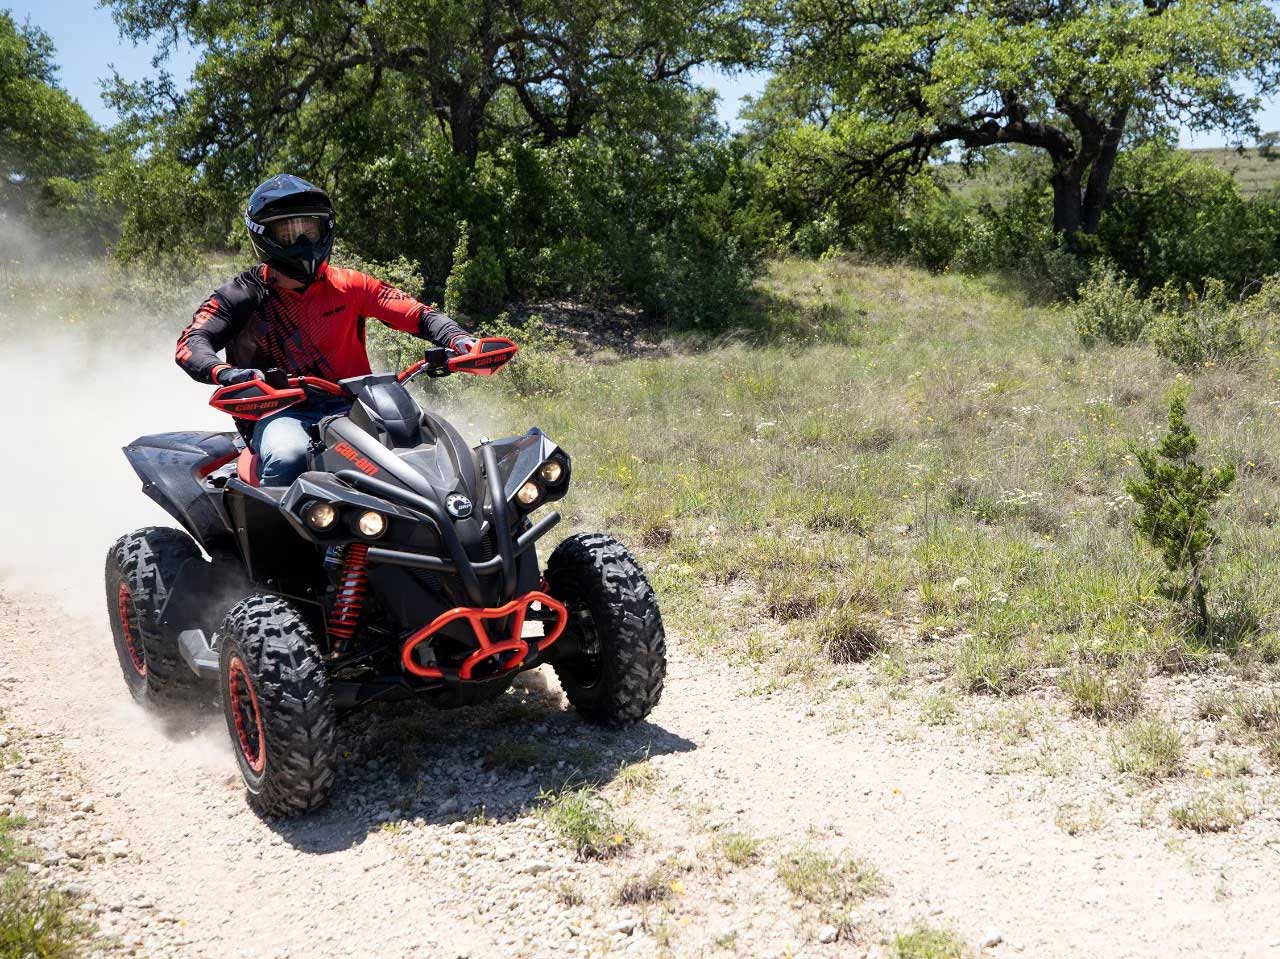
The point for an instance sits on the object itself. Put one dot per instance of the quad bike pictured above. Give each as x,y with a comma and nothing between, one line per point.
401,564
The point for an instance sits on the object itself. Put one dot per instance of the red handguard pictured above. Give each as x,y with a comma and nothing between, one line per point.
256,399
488,355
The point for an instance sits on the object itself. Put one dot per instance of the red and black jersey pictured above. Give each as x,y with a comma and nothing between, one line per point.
318,331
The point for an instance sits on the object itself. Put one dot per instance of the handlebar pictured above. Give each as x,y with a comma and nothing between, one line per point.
277,390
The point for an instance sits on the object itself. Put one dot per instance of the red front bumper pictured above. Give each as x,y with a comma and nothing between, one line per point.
507,654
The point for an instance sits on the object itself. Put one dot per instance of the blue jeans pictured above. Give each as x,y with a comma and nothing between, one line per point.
281,441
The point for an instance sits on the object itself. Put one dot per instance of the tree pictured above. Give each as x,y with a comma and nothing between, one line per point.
45,135
912,81
1176,499
480,71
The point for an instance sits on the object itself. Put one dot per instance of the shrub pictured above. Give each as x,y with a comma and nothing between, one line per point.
1109,307
1176,497
1194,328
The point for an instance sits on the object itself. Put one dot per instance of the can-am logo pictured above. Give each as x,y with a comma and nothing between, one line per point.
361,462
458,505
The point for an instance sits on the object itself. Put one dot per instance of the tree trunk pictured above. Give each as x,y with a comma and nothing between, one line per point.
1095,194
1068,206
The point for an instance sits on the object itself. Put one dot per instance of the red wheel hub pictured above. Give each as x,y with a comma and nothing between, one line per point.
247,715
131,644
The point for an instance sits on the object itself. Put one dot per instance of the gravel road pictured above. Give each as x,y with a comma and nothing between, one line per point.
433,846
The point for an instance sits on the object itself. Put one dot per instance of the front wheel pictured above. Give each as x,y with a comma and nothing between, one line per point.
615,658
278,707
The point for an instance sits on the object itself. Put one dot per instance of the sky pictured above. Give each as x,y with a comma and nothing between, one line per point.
89,46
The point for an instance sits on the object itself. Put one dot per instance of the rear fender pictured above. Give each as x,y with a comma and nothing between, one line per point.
172,467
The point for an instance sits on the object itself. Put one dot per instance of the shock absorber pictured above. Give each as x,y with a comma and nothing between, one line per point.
353,583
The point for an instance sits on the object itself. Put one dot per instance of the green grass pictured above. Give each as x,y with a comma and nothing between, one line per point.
737,848
1213,811
832,883
35,922
927,942
1149,749
889,445
585,821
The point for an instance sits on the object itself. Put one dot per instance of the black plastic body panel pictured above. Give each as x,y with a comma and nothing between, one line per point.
169,465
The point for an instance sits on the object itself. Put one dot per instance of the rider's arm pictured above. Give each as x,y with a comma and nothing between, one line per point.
209,331
402,312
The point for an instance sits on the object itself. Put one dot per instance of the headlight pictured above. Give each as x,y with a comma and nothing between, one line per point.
551,471
528,493
320,515
371,524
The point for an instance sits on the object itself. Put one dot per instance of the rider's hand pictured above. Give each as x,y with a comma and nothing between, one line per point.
462,343
234,374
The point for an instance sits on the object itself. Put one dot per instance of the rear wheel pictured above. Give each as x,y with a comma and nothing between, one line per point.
615,658
278,707
141,569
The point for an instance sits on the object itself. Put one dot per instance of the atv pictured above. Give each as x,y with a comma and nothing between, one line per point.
400,565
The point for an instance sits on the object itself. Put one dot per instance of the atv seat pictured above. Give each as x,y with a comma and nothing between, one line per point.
249,467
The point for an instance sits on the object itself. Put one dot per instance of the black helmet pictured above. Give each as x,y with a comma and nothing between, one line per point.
290,225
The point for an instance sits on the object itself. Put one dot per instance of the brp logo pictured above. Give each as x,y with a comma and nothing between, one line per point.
459,506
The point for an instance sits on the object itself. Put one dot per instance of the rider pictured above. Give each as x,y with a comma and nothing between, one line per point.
295,312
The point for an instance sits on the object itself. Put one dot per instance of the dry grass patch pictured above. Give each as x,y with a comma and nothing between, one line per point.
1101,693
1149,749
1205,812
834,884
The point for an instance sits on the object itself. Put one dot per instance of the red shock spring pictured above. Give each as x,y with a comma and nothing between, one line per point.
349,600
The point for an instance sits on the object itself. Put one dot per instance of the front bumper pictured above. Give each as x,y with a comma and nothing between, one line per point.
494,657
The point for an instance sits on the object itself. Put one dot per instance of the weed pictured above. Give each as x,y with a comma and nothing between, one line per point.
34,921
585,820
737,848
1101,693
1149,749
846,635
1075,820
938,709
927,942
567,894
37,922
1208,812
827,881
657,885
633,777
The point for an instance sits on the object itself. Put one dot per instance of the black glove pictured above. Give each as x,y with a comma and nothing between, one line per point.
234,374
462,343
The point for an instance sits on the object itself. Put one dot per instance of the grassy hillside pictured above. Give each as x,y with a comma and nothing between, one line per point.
923,472
1255,173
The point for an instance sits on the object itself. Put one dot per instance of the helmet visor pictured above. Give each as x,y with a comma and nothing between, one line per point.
288,230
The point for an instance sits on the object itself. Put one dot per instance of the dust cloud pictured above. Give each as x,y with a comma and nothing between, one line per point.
83,376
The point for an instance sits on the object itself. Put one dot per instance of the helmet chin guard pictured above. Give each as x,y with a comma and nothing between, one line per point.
287,198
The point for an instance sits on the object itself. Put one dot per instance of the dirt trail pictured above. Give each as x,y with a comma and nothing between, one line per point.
961,829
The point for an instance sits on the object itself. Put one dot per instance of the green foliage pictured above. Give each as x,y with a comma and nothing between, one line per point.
1198,328
891,85
1176,497
928,942
1177,219
585,821
1109,307
49,146
581,161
